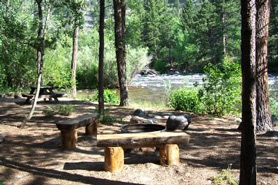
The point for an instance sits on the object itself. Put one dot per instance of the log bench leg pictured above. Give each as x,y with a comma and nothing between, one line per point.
91,129
169,154
114,159
69,138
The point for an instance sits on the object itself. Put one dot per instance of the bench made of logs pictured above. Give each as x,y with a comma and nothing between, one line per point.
68,128
165,141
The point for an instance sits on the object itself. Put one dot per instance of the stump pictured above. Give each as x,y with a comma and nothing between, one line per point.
114,159
169,154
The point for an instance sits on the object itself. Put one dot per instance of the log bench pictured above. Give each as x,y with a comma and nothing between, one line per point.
68,128
167,142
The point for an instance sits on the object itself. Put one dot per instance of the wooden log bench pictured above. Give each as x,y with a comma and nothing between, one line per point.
68,128
167,142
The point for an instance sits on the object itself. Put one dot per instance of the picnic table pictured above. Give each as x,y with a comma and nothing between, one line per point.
46,92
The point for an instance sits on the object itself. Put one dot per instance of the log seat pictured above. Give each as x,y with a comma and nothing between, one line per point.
68,128
167,142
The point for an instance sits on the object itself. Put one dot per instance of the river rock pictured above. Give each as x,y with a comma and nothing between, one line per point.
139,112
136,119
178,122
157,117
126,118
2,138
149,121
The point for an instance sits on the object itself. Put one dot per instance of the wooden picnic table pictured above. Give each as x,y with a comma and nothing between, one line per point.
46,92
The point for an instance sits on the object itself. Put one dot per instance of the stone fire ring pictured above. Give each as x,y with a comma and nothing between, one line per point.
139,128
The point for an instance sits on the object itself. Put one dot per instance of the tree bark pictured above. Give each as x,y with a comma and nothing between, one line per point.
74,60
101,56
248,63
264,122
119,16
40,54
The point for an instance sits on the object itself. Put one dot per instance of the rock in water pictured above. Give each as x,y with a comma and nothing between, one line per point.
178,122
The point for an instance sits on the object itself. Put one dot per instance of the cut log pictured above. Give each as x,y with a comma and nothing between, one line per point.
169,154
69,138
114,159
77,122
154,139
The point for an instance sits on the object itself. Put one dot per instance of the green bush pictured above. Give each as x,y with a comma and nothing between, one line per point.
273,101
110,96
185,99
221,93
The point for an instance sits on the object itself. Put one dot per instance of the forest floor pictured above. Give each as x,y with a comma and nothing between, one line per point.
33,155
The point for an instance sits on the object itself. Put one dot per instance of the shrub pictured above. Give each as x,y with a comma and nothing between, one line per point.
222,88
273,101
110,96
185,99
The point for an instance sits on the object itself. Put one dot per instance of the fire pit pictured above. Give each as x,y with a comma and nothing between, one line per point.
137,128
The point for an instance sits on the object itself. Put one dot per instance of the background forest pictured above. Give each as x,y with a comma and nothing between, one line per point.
170,35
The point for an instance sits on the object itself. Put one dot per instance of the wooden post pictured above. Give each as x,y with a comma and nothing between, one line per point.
69,138
169,154
114,159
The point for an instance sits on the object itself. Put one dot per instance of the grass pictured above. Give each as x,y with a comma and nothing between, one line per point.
224,177
64,110
1,182
149,105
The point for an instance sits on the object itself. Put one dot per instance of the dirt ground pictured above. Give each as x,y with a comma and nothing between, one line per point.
33,155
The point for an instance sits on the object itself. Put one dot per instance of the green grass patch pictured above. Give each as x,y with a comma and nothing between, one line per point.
64,110
149,105
224,177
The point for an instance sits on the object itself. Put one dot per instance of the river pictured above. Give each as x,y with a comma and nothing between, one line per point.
155,87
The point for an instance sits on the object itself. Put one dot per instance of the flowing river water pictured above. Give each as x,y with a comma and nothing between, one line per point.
154,88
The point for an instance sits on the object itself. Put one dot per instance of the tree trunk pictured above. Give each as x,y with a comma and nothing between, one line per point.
40,54
248,63
74,60
119,16
264,122
101,56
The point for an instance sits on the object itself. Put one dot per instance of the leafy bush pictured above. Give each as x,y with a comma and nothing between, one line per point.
273,100
185,99
220,94
64,110
222,88
110,96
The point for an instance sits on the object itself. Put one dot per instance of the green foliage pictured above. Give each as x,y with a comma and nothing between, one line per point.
222,87
185,99
224,177
64,110
58,76
1,182
219,95
273,101
110,96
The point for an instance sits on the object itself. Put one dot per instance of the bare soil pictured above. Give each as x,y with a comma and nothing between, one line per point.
33,155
